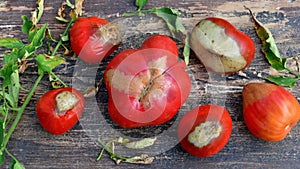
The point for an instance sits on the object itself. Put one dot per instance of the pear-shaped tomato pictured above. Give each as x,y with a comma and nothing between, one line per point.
220,46
147,86
270,111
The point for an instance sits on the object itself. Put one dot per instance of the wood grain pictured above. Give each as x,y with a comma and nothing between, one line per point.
78,148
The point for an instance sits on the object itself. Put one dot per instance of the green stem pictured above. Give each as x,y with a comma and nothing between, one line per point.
64,34
20,112
57,78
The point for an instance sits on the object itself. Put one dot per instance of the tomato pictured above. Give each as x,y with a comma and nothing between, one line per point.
93,38
146,86
205,130
220,46
60,109
270,111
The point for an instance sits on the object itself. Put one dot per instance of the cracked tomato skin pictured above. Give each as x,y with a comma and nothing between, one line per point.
200,115
87,40
146,86
49,117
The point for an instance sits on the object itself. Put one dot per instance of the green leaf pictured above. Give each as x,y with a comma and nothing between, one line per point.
11,43
32,33
27,24
16,165
170,16
39,36
6,71
48,63
283,80
11,57
14,88
270,49
141,3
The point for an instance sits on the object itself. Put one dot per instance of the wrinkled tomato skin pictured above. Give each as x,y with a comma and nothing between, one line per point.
46,111
122,105
194,118
84,45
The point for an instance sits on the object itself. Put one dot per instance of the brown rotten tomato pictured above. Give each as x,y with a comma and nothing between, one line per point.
270,111
205,130
93,38
220,46
60,109
146,86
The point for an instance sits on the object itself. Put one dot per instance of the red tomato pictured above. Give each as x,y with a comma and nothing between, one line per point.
146,87
60,109
205,130
93,38
270,111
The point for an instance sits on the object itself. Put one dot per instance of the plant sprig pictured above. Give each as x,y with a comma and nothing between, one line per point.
15,62
172,20
272,54
109,147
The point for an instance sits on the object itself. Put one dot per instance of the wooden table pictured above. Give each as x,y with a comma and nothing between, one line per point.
79,148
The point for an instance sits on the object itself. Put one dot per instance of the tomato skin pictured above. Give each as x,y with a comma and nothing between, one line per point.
46,111
161,42
197,116
161,101
270,111
86,42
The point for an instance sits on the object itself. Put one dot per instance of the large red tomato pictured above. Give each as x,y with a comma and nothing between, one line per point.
147,86
93,38
60,109
205,130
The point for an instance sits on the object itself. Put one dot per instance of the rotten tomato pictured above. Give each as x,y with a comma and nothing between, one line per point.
58,110
93,38
205,130
146,86
221,47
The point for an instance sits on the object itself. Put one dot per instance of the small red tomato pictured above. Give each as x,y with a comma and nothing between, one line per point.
270,111
205,130
220,46
147,86
60,109
93,38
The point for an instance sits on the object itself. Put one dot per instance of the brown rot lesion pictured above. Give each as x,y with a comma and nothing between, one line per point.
110,33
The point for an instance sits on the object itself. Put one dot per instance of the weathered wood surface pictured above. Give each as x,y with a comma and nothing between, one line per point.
78,148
